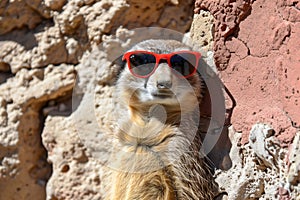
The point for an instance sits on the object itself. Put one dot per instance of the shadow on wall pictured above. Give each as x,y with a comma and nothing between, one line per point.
215,119
23,37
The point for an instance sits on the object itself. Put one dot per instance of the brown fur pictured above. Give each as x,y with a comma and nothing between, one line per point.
157,157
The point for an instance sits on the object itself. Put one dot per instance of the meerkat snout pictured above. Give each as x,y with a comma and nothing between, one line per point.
163,82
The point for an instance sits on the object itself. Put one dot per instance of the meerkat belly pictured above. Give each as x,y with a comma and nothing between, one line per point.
143,186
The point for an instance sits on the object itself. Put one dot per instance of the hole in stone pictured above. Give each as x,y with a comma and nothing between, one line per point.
53,197
97,180
106,6
223,27
59,107
5,72
270,132
146,9
4,67
65,168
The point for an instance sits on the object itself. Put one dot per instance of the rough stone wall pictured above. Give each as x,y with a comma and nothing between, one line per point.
256,48
259,40
46,44
42,44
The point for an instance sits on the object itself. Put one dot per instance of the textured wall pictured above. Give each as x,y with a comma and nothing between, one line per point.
42,44
256,48
45,45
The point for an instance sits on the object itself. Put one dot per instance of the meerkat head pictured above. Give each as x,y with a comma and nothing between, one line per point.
159,72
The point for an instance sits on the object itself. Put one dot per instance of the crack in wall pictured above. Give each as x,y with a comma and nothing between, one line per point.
293,123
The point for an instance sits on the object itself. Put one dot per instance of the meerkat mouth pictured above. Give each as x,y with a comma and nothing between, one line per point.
163,94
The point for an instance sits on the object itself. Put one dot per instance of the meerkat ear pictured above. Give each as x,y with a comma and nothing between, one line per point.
119,66
118,61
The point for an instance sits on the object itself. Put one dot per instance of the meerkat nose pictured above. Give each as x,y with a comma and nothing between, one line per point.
164,84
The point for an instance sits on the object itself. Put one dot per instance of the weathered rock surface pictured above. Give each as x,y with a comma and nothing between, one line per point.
24,170
48,47
54,32
42,43
256,48
257,168
259,40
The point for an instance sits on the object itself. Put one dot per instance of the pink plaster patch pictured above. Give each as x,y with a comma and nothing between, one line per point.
257,49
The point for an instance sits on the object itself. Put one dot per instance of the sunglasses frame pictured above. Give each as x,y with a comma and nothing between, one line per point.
158,58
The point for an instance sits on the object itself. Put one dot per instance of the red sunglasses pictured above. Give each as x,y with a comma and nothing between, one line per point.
143,64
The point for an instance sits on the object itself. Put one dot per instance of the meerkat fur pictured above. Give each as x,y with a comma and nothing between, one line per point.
156,151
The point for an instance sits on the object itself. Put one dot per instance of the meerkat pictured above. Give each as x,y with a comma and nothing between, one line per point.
156,153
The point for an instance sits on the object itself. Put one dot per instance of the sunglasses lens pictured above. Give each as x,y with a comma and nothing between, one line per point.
142,64
184,63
